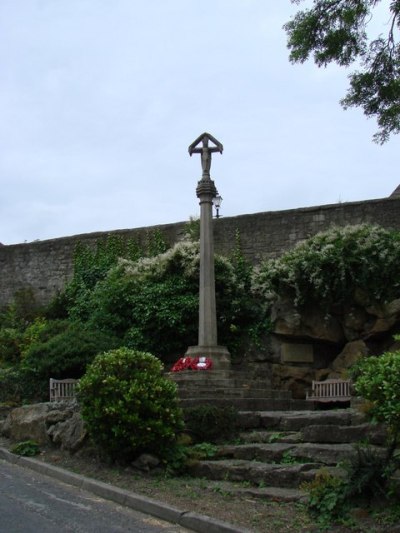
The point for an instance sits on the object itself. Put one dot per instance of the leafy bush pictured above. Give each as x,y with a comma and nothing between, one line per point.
11,386
128,406
22,310
327,497
65,351
377,379
210,423
332,266
10,342
369,472
27,448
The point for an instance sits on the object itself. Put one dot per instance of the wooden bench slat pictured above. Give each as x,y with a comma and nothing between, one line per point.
330,390
62,389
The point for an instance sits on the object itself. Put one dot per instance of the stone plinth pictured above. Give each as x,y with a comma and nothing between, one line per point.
219,355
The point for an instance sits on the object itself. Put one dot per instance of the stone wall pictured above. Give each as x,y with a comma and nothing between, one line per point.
45,266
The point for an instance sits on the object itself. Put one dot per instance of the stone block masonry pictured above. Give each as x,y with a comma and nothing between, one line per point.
46,266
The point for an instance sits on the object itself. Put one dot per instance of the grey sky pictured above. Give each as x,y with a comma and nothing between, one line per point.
100,99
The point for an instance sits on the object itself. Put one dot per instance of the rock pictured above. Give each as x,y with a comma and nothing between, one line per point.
350,354
391,309
296,421
58,423
354,320
310,324
380,326
322,374
57,416
294,378
27,423
146,462
70,434
344,434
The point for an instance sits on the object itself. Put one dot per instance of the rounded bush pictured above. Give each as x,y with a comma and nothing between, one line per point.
128,406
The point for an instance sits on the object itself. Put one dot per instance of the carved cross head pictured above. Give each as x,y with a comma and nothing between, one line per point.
202,146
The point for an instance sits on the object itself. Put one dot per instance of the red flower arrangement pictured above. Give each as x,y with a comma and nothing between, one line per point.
189,363
184,363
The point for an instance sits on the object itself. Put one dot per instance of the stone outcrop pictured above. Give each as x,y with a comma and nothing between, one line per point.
57,423
314,344
311,324
350,354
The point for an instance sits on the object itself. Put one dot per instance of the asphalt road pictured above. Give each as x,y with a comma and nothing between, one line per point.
33,503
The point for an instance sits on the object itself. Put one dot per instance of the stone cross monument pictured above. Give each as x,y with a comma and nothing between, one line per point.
206,192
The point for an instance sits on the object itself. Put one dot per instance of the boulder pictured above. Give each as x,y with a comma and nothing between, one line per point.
47,423
146,462
312,323
376,435
27,423
380,326
69,434
297,379
385,310
350,354
354,321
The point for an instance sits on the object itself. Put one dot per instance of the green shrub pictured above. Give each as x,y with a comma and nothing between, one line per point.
10,345
377,380
327,497
11,386
64,355
332,266
27,448
369,473
22,310
210,423
128,406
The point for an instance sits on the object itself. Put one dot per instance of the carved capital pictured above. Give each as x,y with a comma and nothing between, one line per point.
206,187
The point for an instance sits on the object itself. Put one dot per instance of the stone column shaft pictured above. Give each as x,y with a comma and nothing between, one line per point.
207,305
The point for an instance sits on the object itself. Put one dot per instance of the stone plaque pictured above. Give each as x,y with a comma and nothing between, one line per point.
297,353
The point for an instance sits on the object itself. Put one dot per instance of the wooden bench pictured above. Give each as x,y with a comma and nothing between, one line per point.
62,389
330,390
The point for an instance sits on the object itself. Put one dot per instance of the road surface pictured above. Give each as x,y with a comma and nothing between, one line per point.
33,503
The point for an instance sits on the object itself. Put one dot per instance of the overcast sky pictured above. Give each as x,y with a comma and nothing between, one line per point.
100,99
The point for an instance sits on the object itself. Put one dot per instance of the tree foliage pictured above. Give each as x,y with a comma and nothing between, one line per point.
336,31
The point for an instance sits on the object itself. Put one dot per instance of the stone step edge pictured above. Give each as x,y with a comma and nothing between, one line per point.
250,405
231,393
272,493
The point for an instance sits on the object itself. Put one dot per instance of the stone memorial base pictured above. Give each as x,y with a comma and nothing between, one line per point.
219,355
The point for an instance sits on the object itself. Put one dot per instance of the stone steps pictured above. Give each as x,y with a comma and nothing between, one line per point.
232,393
259,436
241,389
257,404
283,442
285,420
276,454
257,473
326,454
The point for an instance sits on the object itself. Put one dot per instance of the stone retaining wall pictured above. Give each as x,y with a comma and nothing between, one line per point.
45,266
